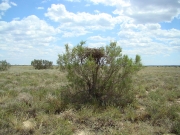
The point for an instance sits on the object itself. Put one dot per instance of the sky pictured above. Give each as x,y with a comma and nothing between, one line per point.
39,29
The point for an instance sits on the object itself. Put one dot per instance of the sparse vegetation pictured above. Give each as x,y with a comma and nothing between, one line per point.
98,75
4,65
30,103
42,64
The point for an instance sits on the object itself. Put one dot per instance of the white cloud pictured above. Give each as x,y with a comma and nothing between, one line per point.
73,31
40,8
73,0
138,30
100,39
45,1
4,6
87,22
123,3
96,11
14,4
29,37
175,43
148,39
28,29
151,11
139,27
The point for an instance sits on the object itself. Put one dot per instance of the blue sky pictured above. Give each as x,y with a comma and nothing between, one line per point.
38,29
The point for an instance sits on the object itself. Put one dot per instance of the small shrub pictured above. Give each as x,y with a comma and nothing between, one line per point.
99,75
42,64
54,104
4,65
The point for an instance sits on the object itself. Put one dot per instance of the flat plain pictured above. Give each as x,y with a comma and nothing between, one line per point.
30,103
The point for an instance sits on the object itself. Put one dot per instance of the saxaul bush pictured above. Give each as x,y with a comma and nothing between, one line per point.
42,64
4,65
98,75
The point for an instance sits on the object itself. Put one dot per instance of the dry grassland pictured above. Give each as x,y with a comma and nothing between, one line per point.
30,103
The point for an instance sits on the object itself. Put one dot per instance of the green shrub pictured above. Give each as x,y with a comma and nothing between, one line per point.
4,65
54,104
98,75
42,64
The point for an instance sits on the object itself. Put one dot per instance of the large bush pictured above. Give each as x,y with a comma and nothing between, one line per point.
99,75
42,64
4,65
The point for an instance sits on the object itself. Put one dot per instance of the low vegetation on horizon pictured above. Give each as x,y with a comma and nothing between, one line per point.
95,92
4,65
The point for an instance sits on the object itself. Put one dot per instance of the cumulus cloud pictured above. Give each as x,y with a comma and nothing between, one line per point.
27,37
142,38
85,21
135,25
5,5
99,41
152,11
29,28
71,31
148,39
